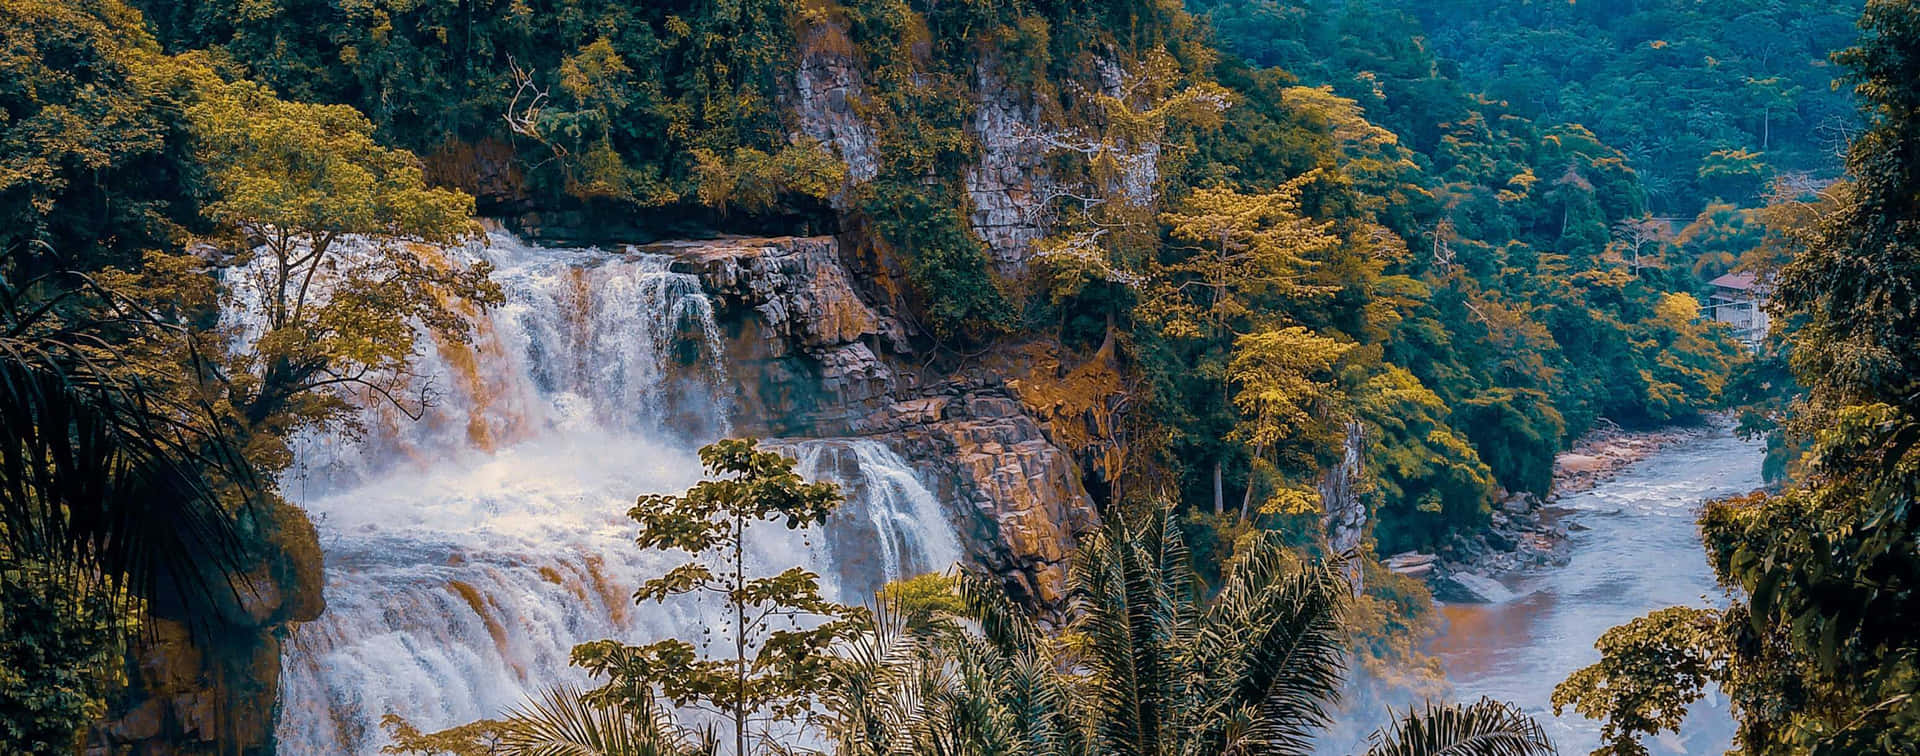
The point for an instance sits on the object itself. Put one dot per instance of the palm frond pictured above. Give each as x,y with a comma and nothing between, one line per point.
108,476
562,722
1483,728
1002,622
1119,597
878,702
1272,653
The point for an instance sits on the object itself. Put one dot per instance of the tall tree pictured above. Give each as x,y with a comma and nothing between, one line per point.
329,258
333,244
1290,411
764,671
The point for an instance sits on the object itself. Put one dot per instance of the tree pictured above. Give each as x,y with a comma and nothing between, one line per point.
767,672
1633,236
1680,643
1240,259
1287,416
1237,249
93,166
1105,223
62,654
1483,728
345,261
1429,478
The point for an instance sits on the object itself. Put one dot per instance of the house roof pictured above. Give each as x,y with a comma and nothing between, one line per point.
1739,281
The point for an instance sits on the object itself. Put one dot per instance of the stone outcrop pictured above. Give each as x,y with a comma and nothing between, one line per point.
827,89
801,342
811,357
804,298
207,680
1008,189
1022,503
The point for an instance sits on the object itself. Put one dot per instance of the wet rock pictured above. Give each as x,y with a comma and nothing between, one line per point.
1471,588
1411,563
1022,495
1520,503
796,284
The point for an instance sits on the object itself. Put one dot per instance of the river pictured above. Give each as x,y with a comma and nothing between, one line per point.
1634,548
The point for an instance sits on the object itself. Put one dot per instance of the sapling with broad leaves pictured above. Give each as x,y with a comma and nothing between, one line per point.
769,673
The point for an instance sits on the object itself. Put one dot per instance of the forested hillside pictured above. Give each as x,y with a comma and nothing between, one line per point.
1249,238
1470,278
1706,100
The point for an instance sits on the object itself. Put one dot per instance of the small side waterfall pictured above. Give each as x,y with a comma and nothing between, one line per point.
469,551
882,534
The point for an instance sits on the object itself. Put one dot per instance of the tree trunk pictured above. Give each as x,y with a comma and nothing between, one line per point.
739,643
1219,491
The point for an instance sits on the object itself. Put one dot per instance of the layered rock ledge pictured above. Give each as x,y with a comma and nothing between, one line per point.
815,358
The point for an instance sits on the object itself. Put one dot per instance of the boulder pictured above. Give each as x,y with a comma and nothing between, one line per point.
1471,588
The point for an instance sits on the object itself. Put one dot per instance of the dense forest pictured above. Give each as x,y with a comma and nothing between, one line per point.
1258,236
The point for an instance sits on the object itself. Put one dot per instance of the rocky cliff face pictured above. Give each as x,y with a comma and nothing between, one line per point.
207,682
1008,189
827,90
811,357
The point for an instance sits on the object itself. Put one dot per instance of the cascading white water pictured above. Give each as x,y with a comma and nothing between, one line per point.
468,551
881,534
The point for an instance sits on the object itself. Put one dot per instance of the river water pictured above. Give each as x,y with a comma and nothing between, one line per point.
1635,548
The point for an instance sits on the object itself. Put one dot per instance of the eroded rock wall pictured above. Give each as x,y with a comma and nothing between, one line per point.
827,92
206,681
811,357
1008,189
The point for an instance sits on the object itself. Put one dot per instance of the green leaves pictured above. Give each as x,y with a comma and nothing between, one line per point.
767,671
1483,728
1650,671
62,654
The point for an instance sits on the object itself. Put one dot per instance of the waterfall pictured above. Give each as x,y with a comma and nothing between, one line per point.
882,534
467,552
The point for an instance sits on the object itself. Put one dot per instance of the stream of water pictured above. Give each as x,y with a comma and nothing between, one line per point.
1635,548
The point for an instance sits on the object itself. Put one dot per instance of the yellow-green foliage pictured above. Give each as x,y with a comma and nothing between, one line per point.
1288,405
1234,251
1427,477
62,646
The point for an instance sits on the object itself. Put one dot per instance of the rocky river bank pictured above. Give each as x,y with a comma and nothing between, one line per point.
1528,534
1633,548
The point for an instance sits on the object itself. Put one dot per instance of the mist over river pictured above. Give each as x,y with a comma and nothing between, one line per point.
1634,548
